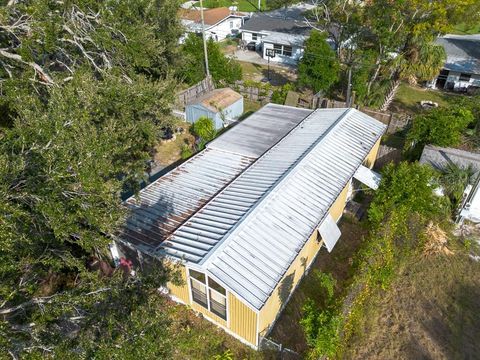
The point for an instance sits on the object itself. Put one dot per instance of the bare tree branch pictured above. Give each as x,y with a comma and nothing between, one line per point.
46,79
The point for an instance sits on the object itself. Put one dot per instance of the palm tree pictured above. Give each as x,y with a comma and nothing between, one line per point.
421,62
454,180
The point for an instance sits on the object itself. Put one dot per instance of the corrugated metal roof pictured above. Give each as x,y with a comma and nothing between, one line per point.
248,235
164,205
161,207
244,221
260,131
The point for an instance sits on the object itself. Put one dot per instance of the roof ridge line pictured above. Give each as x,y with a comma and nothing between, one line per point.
158,247
210,257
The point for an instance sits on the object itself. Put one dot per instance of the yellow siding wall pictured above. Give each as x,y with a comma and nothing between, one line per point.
294,274
180,291
372,156
208,314
273,305
336,210
243,320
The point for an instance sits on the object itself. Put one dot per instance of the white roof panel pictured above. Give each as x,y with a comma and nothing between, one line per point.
368,177
329,232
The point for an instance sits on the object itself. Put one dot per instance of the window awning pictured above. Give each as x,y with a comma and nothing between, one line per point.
368,177
329,232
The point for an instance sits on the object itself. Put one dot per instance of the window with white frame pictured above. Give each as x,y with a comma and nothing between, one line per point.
208,293
231,24
287,50
282,50
465,77
278,49
254,36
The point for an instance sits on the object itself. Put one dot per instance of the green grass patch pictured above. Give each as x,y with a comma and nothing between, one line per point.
243,5
252,71
249,107
466,29
409,97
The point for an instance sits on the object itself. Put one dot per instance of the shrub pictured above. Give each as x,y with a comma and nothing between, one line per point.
186,152
442,127
322,320
279,95
406,188
319,67
204,130
221,68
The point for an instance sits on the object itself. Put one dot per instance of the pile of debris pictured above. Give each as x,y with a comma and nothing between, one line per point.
436,242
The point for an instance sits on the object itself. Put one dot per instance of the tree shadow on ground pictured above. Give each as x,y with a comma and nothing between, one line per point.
278,76
454,326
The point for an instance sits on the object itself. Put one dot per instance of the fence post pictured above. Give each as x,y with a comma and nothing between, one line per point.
390,118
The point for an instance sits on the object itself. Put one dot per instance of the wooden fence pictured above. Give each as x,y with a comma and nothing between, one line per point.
185,96
253,93
396,122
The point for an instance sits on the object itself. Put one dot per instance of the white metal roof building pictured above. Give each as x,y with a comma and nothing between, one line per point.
274,195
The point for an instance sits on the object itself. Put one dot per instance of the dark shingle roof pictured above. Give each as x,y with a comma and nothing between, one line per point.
263,22
439,158
463,53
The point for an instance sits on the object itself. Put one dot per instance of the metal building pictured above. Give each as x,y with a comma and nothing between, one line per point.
250,212
223,106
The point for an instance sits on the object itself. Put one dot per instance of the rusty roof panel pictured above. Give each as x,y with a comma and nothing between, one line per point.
167,203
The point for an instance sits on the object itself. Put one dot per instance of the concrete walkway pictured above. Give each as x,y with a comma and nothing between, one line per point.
255,58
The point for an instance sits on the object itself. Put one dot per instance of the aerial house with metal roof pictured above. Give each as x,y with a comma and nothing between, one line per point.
247,216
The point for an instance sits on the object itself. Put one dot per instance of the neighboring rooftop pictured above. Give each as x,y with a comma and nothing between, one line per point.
463,52
261,22
439,158
211,16
290,21
285,39
217,99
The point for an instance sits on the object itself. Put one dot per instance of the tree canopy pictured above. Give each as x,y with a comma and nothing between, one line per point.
221,68
442,127
389,41
405,189
86,89
319,67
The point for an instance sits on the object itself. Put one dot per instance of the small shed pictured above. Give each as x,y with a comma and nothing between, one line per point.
223,106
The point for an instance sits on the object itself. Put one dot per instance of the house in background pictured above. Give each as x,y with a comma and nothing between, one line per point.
462,68
223,106
283,30
245,218
440,158
219,22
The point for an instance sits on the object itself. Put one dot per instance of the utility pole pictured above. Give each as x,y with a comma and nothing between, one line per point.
349,87
204,40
